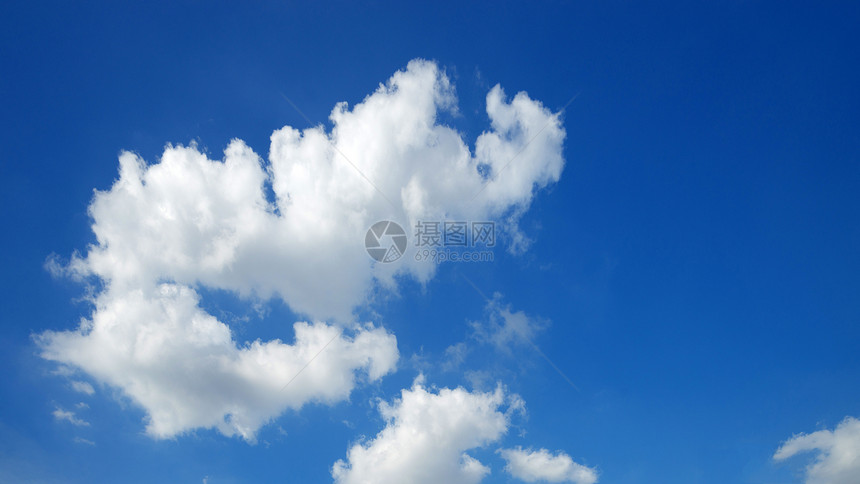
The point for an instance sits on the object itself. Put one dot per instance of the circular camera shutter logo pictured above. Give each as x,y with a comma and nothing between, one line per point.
385,241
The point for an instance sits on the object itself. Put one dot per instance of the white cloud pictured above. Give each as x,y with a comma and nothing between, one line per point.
188,221
426,438
184,368
83,387
63,370
70,417
502,328
455,355
505,328
838,453
81,440
541,465
191,220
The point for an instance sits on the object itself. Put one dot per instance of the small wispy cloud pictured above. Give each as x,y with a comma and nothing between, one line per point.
505,328
63,370
70,417
455,355
502,329
82,387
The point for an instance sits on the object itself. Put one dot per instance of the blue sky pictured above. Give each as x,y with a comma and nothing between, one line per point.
692,269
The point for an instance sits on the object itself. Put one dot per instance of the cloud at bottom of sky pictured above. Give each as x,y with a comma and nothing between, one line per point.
543,466
837,453
428,434
426,438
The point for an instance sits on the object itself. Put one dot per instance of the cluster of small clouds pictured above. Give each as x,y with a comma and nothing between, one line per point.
428,434
165,230
837,459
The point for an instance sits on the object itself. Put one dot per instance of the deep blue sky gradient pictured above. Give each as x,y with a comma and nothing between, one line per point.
698,260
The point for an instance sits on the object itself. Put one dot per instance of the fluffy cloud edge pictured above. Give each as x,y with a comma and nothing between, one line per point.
837,452
531,465
192,220
427,436
183,367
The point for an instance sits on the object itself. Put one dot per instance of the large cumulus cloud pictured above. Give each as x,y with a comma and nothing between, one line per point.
187,221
